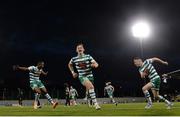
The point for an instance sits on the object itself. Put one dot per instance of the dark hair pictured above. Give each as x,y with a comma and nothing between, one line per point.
39,62
136,58
80,44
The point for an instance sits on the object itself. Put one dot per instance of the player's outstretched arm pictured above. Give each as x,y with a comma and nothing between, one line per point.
17,67
155,59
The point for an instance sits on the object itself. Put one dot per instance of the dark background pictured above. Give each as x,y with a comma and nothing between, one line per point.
49,30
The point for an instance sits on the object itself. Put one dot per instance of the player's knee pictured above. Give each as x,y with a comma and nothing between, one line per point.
37,91
143,89
44,90
89,85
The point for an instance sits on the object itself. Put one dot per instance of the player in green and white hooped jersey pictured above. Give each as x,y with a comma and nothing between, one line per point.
35,83
147,69
84,64
109,89
73,94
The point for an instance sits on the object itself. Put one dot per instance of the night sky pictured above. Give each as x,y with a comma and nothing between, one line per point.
45,30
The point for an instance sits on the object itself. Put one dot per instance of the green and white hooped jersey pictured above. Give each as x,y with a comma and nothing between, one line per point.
83,65
109,89
73,92
34,73
147,64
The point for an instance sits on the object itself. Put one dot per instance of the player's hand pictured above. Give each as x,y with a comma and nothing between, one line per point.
94,65
165,63
15,67
75,75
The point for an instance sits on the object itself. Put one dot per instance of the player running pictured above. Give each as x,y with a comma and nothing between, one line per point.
109,89
73,94
147,69
84,64
35,83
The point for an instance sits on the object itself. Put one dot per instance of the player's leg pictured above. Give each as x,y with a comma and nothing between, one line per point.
67,100
91,79
88,99
37,95
46,94
74,101
89,86
86,95
155,90
111,97
155,96
71,100
162,98
37,92
20,101
147,94
39,104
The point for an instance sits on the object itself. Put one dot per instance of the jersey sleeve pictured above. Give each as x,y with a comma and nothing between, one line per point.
91,58
149,61
71,61
146,64
31,68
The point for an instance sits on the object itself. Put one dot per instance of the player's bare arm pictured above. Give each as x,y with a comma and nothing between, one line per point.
17,67
44,73
70,66
94,64
143,74
113,88
155,59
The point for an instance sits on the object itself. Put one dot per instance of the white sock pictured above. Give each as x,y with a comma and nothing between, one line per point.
165,100
49,98
93,96
148,97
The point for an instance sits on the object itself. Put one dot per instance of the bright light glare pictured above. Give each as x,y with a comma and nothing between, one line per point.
141,30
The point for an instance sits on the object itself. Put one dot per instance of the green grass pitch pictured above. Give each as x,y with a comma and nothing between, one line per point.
129,109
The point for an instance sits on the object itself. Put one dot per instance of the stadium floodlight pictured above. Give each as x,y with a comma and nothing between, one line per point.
141,30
